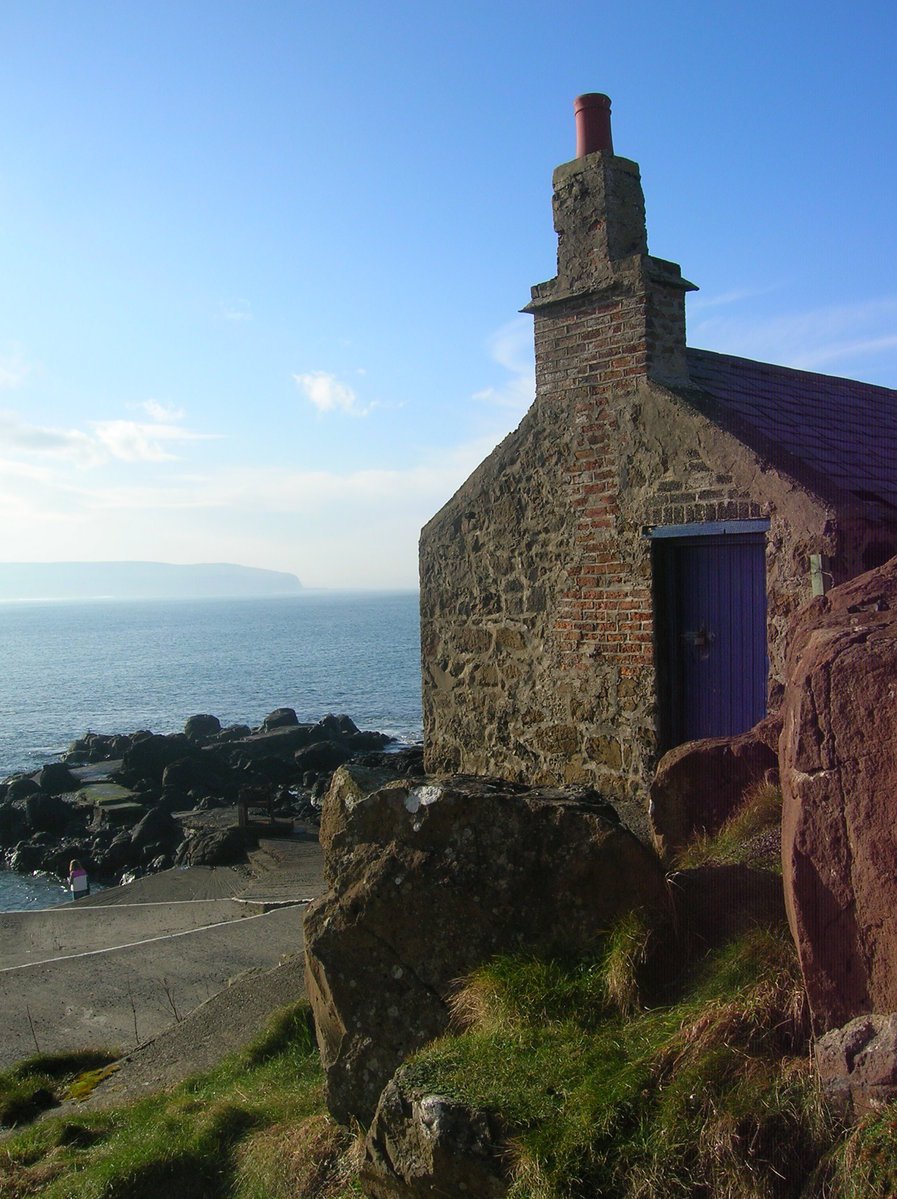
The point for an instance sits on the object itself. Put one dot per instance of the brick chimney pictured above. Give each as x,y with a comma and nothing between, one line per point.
603,260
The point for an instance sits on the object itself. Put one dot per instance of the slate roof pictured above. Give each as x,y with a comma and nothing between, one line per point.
837,436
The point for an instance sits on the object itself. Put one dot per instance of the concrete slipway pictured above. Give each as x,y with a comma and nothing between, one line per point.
122,966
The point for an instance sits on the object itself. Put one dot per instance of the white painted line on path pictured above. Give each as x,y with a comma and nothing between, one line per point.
89,953
113,907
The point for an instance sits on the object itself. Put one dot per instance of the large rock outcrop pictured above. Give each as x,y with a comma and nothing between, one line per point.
838,759
428,880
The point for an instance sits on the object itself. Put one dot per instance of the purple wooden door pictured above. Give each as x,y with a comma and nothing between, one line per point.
712,665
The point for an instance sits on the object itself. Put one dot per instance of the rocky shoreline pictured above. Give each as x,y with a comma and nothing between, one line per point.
131,804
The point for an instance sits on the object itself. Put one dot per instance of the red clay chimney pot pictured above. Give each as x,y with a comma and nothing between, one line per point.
592,113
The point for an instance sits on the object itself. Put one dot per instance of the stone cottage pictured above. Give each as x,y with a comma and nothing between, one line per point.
618,575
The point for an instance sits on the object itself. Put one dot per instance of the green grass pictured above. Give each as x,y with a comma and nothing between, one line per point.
750,837
711,1094
254,1128
43,1081
864,1165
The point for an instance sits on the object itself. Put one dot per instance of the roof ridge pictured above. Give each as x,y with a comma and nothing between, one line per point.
792,370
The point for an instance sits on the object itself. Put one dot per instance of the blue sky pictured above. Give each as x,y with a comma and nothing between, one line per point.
262,261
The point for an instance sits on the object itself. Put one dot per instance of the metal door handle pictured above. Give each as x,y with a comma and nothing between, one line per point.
700,641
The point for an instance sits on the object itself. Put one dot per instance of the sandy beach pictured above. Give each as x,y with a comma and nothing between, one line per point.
121,967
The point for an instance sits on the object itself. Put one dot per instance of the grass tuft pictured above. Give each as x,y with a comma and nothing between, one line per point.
513,991
289,1029
710,1094
626,958
750,837
864,1165
315,1159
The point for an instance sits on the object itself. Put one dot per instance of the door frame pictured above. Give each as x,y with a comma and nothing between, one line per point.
670,710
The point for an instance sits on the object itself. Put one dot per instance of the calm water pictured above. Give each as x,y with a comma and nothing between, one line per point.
118,666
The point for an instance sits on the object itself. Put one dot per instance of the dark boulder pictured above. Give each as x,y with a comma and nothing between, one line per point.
420,1145
116,857
360,743
47,813
857,1063
202,727
335,728
157,827
13,825
282,742
173,799
203,772
57,779
233,732
403,763
150,754
26,857
278,719
274,771
215,847
322,757
21,787
429,880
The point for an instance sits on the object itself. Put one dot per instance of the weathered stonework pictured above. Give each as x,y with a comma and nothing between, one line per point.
537,604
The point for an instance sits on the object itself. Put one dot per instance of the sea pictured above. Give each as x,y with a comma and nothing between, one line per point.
116,666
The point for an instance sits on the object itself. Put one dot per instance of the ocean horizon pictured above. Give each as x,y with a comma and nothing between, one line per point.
119,665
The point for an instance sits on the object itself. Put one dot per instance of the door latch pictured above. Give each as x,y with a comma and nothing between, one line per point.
700,641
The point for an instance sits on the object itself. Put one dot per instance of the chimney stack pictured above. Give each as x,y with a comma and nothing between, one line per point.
627,306
592,112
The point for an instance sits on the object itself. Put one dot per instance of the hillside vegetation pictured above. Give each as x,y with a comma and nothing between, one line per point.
254,1128
604,1091
655,1069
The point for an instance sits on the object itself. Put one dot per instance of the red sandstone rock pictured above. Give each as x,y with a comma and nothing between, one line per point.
700,784
838,760
857,1064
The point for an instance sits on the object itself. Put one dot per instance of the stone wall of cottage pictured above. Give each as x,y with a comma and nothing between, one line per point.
537,610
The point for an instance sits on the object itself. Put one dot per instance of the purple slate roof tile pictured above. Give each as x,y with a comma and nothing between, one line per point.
838,434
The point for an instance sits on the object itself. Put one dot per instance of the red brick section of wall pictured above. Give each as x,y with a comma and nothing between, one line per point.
594,350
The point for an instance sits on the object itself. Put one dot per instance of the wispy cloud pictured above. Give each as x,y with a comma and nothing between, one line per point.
132,441
809,340
236,311
14,370
700,302
511,347
124,440
18,436
162,412
335,528
328,394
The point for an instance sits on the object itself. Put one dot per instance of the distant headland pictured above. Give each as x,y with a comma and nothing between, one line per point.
141,580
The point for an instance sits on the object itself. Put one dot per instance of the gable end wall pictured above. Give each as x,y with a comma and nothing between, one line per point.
536,586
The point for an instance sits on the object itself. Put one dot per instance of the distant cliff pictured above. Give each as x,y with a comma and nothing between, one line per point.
140,580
